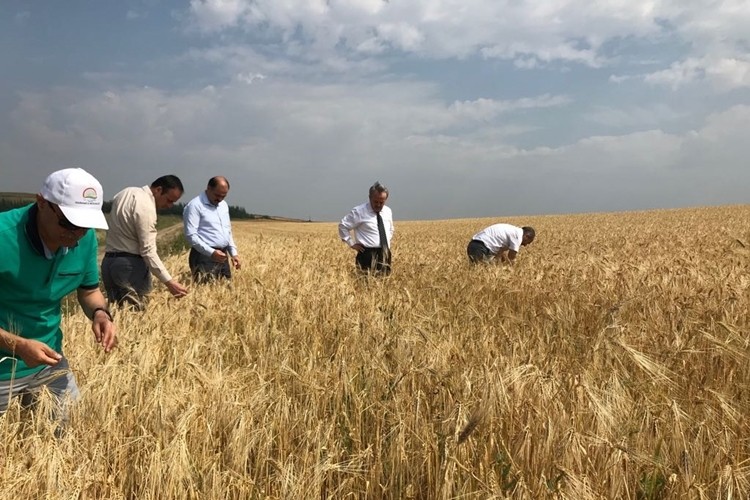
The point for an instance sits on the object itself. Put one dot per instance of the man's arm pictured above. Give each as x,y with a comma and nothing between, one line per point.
32,352
348,223
94,306
506,256
146,231
233,252
191,219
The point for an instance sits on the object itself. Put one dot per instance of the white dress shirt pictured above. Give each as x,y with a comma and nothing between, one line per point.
364,222
500,236
207,226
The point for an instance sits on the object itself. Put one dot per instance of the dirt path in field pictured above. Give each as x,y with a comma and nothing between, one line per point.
163,234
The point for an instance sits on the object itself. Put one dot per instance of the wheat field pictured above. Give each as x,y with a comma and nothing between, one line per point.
612,361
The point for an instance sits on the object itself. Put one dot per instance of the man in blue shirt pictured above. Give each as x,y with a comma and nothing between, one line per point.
208,230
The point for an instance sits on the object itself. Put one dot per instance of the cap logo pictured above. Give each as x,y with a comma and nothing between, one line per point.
90,194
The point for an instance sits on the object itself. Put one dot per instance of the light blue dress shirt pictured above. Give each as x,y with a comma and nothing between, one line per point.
208,226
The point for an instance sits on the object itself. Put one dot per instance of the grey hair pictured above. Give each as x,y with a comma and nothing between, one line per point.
378,188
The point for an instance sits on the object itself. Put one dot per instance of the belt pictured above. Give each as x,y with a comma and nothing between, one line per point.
122,254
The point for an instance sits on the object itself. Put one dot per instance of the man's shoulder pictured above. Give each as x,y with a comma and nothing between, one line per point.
131,195
10,220
502,228
87,246
128,191
359,209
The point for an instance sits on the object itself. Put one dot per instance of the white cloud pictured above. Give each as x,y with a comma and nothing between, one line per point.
639,117
531,33
545,30
722,73
215,15
249,78
488,109
284,142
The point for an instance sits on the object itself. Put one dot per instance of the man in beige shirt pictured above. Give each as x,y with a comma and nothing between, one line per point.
130,248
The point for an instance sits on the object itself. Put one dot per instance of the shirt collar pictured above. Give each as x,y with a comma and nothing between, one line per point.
32,230
206,201
32,234
372,210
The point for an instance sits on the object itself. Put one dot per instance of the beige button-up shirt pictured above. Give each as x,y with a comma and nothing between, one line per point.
132,228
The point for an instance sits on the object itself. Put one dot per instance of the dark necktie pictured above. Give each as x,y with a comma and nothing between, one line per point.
383,237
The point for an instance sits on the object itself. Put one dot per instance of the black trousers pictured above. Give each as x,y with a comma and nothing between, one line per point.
126,278
374,260
204,269
478,252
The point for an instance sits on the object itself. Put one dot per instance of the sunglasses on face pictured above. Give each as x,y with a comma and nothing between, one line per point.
63,222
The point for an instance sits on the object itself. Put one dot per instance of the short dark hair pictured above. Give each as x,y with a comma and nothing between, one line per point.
214,181
378,188
167,182
529,231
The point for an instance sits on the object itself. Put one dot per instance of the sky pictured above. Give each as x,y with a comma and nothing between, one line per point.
462,108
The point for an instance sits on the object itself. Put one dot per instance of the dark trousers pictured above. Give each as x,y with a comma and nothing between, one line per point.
478,252
126,278
374,260
204,269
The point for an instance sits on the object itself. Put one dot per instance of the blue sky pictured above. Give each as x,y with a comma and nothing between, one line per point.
463,108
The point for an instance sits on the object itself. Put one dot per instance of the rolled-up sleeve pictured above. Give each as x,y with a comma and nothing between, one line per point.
145,226
348,223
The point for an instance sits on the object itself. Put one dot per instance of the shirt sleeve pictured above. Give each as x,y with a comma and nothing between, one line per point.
347,224
91,271
145,226
515,242
191,219
232,247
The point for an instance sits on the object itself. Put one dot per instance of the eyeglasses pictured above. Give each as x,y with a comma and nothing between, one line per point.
63,222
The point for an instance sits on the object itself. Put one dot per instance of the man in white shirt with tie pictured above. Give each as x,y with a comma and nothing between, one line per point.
372,223
208,230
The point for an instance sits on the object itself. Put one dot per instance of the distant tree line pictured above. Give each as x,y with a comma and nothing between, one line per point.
11,203
235,212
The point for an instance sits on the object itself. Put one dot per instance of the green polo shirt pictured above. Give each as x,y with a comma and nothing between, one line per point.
32,285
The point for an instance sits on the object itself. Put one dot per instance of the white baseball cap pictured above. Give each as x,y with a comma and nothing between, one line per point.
78,194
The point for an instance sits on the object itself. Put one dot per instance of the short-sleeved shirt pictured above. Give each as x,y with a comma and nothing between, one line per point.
32,286
500,237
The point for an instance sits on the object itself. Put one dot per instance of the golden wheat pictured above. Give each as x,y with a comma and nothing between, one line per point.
610,362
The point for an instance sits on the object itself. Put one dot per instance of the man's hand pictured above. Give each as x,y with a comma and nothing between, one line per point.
236,262
104,330
358,247
35,353
176,289
219,256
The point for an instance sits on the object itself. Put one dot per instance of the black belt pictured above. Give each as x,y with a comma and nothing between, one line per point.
122,254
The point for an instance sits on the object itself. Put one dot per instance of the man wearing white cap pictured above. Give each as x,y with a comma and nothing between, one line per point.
49,250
